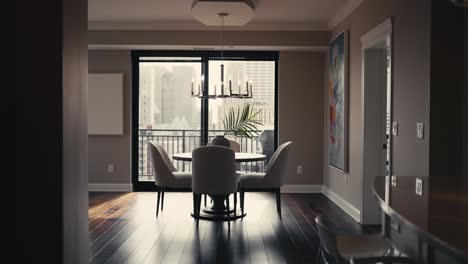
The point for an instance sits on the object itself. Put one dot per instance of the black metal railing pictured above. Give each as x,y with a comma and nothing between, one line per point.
183,140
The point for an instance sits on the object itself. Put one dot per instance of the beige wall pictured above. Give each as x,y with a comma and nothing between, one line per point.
300,117
104,150
411,81
301,113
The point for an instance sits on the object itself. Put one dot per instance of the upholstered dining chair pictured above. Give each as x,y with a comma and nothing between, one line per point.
355,249
214,173
165,174
271,178
236,147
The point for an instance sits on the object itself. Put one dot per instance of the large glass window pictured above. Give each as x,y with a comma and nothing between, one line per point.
165,112
262,76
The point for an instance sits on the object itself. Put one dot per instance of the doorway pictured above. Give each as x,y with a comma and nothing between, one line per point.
376,106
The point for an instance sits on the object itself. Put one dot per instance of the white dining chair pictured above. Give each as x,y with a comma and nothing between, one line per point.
272,178
214,174
165,174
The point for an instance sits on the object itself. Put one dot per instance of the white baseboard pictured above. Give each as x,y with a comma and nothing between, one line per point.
110,187
343,204
302,188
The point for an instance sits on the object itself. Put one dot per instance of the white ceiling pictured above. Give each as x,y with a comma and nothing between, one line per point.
175,14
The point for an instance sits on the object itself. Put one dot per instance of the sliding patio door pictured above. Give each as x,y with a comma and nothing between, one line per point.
165,112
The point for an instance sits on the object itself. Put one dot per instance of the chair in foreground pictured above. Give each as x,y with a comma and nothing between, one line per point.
272,178
165,174
214,173
355,249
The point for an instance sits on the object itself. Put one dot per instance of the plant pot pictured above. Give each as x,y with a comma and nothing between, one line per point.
220,141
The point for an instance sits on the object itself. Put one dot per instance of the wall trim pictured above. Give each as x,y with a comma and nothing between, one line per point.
380,33
343,204
203,47
343,13
302,188
110,187
161,25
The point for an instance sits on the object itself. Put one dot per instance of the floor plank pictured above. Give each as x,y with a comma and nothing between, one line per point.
124,229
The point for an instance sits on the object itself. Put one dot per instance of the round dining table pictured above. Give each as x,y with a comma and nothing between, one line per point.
218,210
239,156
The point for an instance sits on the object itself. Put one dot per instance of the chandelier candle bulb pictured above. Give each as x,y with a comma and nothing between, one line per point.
193,87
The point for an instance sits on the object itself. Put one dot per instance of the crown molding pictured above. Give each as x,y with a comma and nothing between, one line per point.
195,25
380,33
205,47
343,12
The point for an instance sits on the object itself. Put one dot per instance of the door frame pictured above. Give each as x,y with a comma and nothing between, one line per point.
206,57
381,34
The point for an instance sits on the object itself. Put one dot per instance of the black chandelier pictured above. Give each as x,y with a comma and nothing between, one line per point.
230,91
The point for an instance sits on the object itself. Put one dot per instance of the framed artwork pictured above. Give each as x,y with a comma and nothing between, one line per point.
338,102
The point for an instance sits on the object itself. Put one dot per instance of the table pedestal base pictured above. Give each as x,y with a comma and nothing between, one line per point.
218,212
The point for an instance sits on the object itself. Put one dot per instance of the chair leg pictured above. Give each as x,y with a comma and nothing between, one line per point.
162,198
198,208
235,203
157,203
318,255
278,201
242,200
227,207
195,205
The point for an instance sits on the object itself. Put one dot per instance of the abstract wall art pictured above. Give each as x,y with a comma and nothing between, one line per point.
337,94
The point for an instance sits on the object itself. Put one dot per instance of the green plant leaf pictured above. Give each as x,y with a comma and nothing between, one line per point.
241,122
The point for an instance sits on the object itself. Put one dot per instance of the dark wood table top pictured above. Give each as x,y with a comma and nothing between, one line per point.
240,156
440,214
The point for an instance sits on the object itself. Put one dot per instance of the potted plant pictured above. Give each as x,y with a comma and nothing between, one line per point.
238,122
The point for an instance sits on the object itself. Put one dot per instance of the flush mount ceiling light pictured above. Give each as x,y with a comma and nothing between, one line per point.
240,11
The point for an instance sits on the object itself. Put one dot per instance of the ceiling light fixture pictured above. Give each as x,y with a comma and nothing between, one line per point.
230,91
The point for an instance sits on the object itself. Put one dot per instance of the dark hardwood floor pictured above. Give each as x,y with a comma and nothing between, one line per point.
123,228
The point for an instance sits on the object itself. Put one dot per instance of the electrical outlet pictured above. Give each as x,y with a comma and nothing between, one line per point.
395,128
419,187
419,130
110,168
299,170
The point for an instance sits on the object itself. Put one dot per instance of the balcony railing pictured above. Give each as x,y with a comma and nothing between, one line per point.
181,140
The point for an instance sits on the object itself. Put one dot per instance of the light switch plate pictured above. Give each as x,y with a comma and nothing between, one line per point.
394,181
419,130
419,187
299,170
395,128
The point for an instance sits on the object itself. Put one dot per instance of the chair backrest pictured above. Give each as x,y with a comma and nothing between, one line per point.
234,145
276,169
162,170
213,170
327,241
266,139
